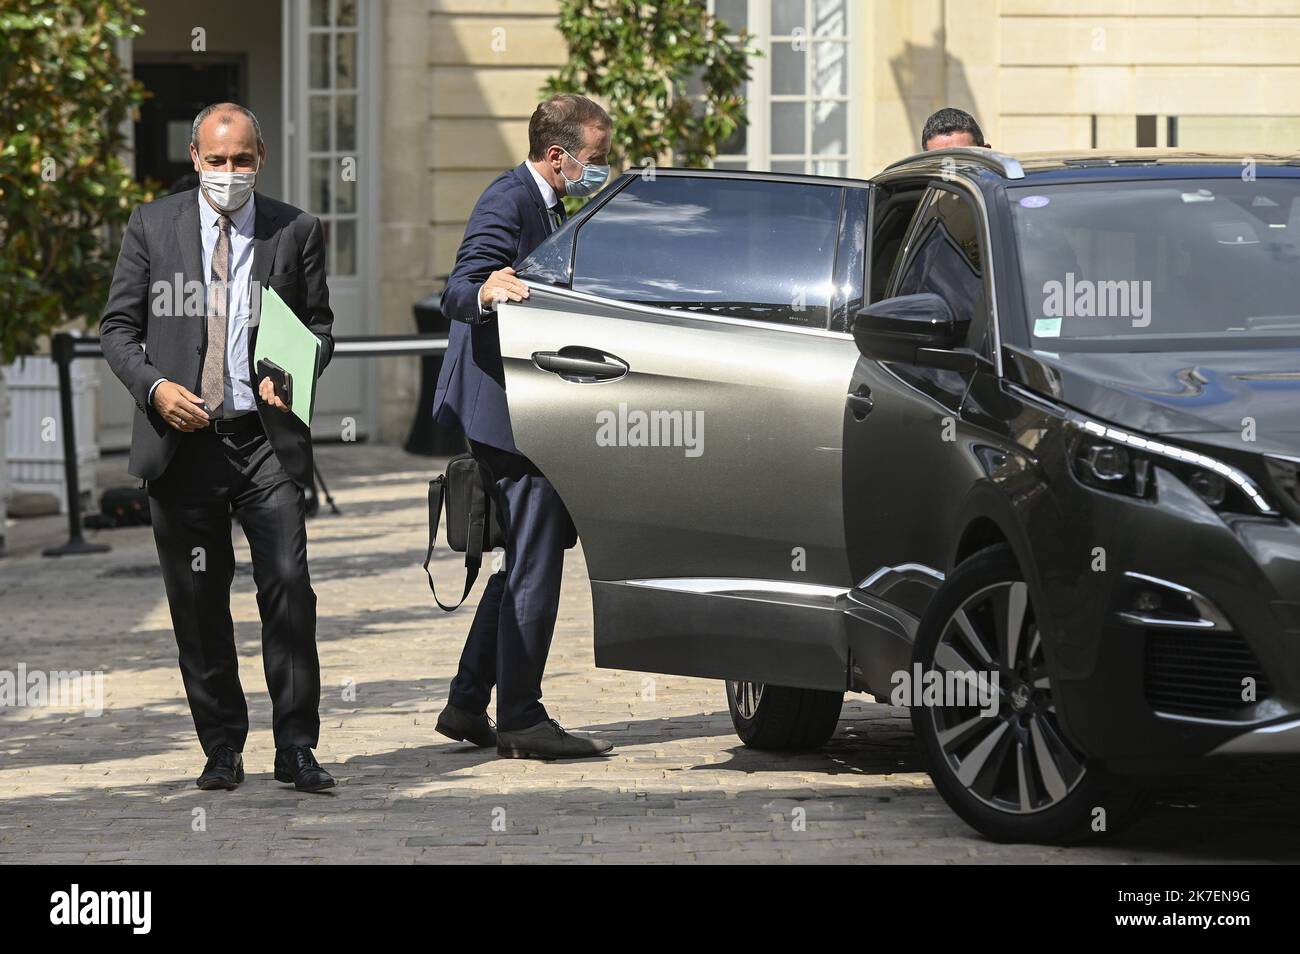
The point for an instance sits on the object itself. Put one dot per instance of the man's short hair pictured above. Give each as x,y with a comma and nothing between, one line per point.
225,108
562,121
951,120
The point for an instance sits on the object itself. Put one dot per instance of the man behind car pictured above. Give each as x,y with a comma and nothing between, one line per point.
951,127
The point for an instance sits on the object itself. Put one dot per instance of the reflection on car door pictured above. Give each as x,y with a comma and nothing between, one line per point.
686,399
908,480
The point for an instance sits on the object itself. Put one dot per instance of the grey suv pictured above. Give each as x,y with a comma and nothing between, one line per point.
1014,443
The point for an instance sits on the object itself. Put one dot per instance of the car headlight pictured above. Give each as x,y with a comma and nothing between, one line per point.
1108,466
1111,459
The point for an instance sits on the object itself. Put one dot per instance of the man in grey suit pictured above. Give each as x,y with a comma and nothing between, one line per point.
209,439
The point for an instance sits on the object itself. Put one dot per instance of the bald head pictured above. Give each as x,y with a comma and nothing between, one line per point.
226,137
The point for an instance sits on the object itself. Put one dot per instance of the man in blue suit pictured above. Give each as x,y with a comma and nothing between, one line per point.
568,144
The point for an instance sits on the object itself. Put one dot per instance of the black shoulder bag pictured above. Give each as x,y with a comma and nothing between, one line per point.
473,523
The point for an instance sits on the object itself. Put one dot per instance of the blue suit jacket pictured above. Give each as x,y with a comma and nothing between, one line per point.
508,222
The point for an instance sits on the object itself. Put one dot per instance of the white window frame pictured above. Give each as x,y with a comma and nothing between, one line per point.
760,99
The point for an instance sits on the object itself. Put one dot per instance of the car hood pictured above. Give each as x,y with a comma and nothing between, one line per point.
1209,394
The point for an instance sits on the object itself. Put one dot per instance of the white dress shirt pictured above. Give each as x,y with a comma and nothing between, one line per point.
238,391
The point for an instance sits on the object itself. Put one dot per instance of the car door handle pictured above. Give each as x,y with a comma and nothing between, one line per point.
581,365
860,403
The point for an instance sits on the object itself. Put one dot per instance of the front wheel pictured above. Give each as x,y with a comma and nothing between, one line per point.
782,717
997,753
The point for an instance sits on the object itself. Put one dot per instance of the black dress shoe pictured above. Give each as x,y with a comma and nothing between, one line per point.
296,764
548,740
461,724
225,769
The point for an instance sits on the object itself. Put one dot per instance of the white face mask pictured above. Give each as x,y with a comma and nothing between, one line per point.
228,191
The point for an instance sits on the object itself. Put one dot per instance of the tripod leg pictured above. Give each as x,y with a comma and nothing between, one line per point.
320,479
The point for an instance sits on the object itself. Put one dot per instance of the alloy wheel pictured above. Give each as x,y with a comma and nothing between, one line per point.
747,696
1015,760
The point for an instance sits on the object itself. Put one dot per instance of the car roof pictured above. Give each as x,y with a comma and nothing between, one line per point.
752,175
1082,165
1057,159
990,167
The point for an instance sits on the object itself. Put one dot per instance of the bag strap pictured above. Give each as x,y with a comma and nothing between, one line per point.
478,518
474,550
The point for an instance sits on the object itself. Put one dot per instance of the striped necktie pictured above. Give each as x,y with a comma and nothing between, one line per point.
213,380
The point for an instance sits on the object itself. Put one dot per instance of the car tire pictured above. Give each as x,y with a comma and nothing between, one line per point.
1012,776
783,718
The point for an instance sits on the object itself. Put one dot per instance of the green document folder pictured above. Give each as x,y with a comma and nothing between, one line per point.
282,338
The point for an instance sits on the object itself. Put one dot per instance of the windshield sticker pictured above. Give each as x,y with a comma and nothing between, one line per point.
1034,201
1047,328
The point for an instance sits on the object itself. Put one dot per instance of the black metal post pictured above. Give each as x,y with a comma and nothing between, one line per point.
63,346
426,437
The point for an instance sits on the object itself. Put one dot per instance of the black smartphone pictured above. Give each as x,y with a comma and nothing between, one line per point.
281,379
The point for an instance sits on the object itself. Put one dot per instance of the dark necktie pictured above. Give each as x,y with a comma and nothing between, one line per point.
212,382
557,214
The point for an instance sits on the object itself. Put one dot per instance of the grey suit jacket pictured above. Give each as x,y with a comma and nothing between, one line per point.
145,336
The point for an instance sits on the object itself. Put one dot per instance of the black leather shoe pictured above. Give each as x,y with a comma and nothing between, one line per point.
225,769
548,740
296,764
461,724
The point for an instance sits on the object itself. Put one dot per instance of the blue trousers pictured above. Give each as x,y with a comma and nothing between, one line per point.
511,634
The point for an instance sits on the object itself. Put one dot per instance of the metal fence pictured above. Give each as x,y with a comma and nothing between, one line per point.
66,348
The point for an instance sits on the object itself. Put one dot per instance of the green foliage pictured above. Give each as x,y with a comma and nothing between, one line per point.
664,70
64,96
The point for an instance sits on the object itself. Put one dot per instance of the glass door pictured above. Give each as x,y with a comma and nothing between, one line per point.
328,136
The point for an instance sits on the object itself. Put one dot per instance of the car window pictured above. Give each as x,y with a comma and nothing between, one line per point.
740,248
1160,265
850,261
895,207
945,257
550,261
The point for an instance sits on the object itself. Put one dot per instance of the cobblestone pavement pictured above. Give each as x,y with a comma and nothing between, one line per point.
679,787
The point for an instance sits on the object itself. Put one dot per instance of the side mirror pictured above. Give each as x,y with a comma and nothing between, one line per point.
913,329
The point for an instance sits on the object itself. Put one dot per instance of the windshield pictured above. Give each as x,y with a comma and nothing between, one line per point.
1160,265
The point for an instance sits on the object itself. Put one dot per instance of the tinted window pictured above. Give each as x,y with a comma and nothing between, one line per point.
850,261
893,213
550,261
946,259
733,247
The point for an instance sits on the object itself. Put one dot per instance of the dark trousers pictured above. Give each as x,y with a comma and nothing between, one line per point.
191,505
512,629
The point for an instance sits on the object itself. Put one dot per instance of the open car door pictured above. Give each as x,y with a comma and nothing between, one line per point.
675,375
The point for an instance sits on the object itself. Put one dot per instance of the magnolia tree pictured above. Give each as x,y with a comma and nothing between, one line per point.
63,180
664,69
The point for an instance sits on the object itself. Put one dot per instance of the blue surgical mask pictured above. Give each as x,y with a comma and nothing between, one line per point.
593,177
